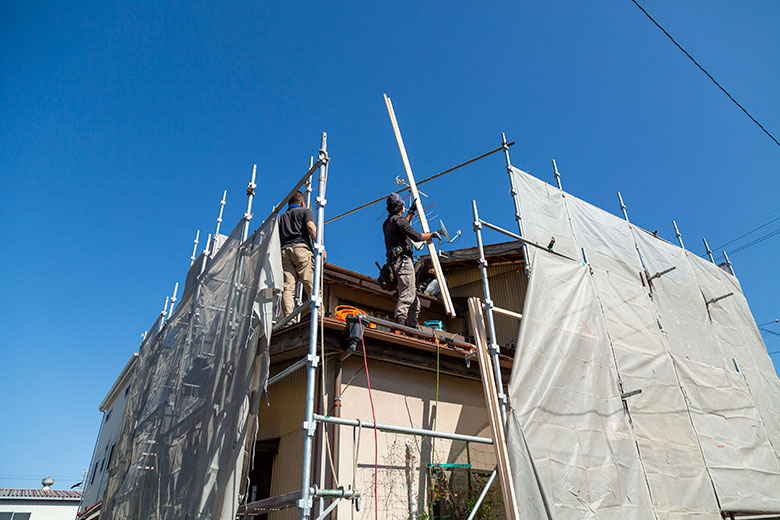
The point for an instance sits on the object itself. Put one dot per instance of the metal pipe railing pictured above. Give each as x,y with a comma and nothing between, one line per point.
402,429
494,348
309,425
482,495
287,371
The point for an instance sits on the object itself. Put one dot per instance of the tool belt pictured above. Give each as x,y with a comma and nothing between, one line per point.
396,252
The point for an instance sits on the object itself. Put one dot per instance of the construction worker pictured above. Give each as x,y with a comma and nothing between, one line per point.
297,233
399,232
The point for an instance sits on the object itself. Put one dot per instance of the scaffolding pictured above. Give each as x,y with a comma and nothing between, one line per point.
516,468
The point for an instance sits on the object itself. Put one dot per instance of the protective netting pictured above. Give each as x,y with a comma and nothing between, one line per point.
642,314
194,392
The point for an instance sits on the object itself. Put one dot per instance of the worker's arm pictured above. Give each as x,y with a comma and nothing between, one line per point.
413,234
412,211
312,227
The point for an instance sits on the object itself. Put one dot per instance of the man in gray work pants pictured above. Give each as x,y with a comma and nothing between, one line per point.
398,232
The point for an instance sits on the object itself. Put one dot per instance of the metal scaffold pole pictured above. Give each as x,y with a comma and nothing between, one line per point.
299,285
493,347
309,424
516,200
707,247
194,248
677,234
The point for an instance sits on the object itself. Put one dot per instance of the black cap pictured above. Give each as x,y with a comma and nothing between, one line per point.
394,200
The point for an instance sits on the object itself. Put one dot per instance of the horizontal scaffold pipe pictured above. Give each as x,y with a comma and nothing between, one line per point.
402,429
287,371
287,319
526,241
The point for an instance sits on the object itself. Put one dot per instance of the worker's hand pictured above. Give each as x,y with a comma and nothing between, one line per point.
413,208
436,235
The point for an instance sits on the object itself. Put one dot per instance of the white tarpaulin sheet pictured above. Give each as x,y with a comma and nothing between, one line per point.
702,428
564,395
546,202
740,339
195,390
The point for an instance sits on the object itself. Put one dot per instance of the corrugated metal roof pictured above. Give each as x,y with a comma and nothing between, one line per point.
50,494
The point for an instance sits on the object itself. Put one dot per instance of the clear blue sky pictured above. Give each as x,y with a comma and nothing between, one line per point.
121,124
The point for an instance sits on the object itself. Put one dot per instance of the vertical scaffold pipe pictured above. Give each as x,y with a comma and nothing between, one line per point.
516,200
194,248
728,263
623,207
250,196
299,285
557,175
163,314
309,425
173,297
707,248
677,233
221,209
494,348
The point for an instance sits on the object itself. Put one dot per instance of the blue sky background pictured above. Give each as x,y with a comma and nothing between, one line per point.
121,124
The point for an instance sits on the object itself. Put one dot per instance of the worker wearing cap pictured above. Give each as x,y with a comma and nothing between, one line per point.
399,232
297,232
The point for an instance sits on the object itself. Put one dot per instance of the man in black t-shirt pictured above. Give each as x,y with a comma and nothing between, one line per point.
398,232
297,233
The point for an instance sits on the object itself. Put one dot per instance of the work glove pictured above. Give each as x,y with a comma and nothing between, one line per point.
413,208
436,235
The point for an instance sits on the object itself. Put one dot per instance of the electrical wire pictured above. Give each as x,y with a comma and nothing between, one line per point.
754,242
343,311
743,235
706,73
376,437
420,183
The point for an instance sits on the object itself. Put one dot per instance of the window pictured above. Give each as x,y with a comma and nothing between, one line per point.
110,456
15,516
92,480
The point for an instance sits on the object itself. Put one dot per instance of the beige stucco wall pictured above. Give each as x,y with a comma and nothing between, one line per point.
402,396
406,397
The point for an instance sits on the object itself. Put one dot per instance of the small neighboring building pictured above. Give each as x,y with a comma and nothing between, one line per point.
39,504
113,407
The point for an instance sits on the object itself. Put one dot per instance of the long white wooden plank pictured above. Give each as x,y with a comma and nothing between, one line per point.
445,291
494,414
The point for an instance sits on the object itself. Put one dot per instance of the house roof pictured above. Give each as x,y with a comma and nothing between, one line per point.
40,494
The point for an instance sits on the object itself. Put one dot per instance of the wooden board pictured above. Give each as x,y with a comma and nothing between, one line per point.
445,292
491,401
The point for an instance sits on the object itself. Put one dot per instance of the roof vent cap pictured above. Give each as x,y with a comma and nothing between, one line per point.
48,482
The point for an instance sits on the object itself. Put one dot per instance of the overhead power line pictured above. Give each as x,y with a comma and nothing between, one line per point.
756,241
707,73
743,235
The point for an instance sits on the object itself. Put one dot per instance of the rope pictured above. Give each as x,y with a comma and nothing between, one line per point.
436,413
376,438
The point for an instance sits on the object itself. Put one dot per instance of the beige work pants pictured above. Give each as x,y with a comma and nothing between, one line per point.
298,265
408,307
